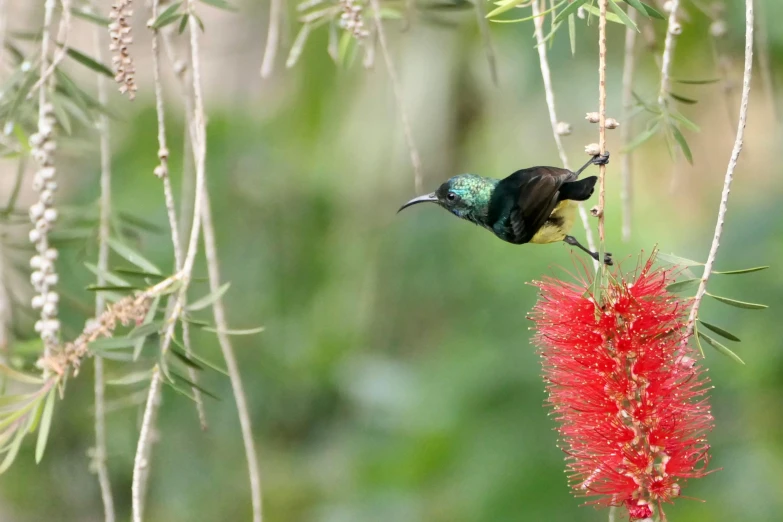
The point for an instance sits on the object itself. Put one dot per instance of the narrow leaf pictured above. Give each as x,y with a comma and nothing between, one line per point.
738,304
132,256
111,343
596,12
636,4
168,16
686,150
19,376
741,270
505,6
131,378
298,46
721,348
86,14
183,357
653,12
221,4
46,423
193,385
683,99
183,24
138,273
680,286
568,10
641,139
111,288
624,18
572,33
139,345
88,62
207,300
145,329
720,331
696,82
688,124
12,450
248,331
200,359
677,260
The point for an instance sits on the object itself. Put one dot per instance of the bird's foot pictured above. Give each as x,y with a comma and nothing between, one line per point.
601,159
608,261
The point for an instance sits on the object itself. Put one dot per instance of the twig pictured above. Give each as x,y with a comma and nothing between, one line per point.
214,279
487,40
162,171
221,325
104,230
724,199
63,31
672,30
549,92
601,116
272,38
406,127
199,150
626,191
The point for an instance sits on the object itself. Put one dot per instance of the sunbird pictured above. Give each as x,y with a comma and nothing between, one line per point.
533,205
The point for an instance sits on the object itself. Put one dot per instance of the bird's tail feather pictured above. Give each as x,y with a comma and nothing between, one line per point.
580,190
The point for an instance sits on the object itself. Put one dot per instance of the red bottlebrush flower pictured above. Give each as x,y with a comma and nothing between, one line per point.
629,400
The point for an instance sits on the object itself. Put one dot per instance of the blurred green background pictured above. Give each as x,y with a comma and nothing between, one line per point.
395,381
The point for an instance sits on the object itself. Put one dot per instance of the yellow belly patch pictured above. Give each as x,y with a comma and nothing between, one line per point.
559,225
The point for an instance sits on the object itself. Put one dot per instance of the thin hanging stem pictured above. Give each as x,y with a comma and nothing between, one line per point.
549,92
397,88
626,191
672,29
272,38
104,229
724,199
602,4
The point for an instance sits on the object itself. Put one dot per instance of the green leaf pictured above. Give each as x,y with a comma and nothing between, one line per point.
738,304
13,449
111,343
46,423
146,329
686,284
696,82
720,331
653,12
683,99
199,21
183,24
642,138
622,16
596,12
139,273
85,13
569,10
132,256
248,331
572,33
696,338
192,384
207,300
221,4
61,114
199,359
153,309
688,124
505,6
636,4
19,376
345,43
741,270
677,260
111,288
169,15
131,378
686,150
88,62
183,357
721,348
298,46
513,3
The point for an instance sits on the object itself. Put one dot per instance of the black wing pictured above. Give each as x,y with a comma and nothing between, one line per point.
537,192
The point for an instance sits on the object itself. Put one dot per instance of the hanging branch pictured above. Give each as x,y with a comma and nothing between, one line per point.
104,229
602,4
272,38
406,127
162,172
738,141
673,29
629,62
549,92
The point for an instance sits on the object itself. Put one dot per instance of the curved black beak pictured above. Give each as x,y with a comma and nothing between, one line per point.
432,198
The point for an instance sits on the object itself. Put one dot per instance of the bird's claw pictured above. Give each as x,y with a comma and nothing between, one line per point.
608,261
601,159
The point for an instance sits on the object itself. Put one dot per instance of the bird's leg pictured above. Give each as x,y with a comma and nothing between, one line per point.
598,159
571,240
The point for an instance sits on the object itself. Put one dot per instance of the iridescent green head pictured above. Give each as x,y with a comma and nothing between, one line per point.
466,196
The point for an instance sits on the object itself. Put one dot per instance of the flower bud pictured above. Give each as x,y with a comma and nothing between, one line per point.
611,123
563,128
593,149
593,117
675,28
718,29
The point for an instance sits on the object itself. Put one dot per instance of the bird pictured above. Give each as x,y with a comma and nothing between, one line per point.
533,205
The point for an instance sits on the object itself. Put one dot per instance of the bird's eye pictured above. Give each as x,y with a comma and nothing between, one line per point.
451,196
